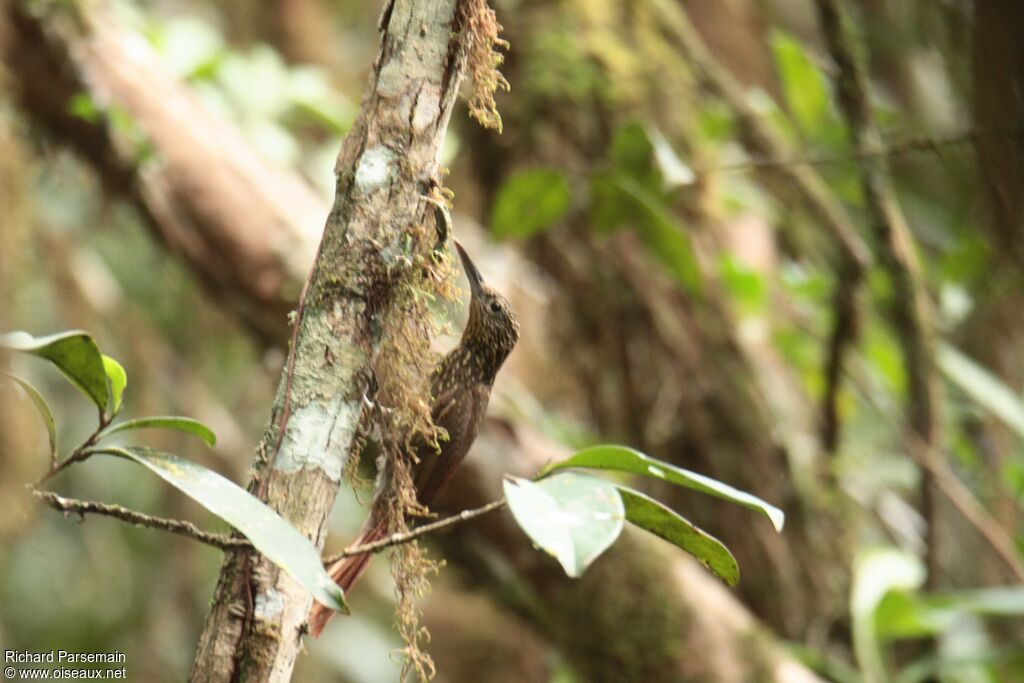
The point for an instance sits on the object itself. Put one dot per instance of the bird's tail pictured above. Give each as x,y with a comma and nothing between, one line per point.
345,572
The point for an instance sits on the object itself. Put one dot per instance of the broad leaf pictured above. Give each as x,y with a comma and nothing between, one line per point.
573,517
652,516
982,386
74,353
632,153
623,459
1001,601
803,82
653,220
182,424
269,532
118,381
876,574
530,202
901,614
44,411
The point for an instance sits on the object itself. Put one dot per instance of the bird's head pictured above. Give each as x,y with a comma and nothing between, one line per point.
492,328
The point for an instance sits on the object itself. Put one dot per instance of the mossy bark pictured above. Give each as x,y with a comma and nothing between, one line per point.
389,160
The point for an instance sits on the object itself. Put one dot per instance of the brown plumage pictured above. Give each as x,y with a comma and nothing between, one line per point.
460,386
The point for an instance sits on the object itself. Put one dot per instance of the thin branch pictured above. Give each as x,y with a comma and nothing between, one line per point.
80,454
959,495
964,500
891,149
909,306
398,539
764,142
70,506
175,526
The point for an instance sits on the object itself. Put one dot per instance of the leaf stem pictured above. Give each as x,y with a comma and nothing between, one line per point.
80,454
399,539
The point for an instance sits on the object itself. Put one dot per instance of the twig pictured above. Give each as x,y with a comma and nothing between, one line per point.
909,306
891,149
959,495
224,542
80,454
398,539
175,526
968,505
763,141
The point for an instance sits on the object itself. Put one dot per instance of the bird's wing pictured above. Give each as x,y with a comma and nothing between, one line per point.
460,412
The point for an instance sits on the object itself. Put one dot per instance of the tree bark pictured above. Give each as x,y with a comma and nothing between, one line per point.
388,160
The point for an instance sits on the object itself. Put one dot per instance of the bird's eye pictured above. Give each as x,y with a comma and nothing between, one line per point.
495,307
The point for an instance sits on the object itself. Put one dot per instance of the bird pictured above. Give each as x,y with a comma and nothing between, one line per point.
460,390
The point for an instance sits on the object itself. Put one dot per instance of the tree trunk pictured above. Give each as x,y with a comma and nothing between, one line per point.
389,158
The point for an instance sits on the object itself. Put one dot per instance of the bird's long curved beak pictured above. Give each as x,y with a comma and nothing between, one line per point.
476,281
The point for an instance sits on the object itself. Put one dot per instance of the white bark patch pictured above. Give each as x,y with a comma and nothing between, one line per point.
374,168
428,109
318,436
268,605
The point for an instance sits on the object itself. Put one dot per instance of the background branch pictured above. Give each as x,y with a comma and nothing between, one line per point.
908,303
799,181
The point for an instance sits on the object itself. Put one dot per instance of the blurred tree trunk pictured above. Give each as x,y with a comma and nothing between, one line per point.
658,367
737,32
642,612
207,174
301,29
17,445
994,332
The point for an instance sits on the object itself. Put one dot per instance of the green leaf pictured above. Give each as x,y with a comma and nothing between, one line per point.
1002,601
530,202
118,381
44,411
803,83
182,424
623,459
642,152
983,387
573,517
74,353
632,153
608,211
269,532
658,519
618,200
877,573
901,614
664,236
83,106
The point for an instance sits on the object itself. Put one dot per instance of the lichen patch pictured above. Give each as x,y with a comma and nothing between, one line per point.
317,437
374,169
268,604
